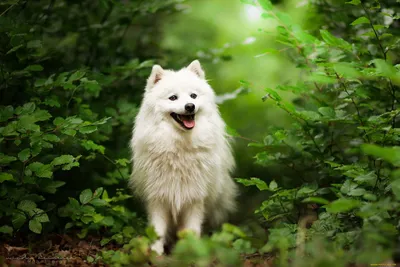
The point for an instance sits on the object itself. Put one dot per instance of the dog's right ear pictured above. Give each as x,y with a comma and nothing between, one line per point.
156,75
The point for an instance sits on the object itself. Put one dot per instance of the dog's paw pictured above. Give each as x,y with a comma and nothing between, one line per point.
158,247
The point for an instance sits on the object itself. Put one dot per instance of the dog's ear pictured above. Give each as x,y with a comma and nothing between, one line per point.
196,68
156,75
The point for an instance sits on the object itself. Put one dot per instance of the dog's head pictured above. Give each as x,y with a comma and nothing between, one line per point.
180,97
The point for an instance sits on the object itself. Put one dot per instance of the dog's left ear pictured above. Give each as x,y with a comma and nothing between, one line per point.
196,68
156,75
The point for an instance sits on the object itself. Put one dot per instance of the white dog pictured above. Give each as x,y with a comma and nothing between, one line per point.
181,156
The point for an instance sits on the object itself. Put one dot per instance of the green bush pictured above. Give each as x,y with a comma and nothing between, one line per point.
340,157
72,75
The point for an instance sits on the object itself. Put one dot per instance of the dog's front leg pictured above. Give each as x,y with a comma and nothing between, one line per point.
192,217
159,219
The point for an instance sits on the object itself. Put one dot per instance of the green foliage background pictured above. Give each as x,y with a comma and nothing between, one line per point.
309,89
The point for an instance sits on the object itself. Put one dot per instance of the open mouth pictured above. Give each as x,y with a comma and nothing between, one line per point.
186,121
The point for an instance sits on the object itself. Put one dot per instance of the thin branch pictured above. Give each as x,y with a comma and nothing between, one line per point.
116,165
393,92
247,139
354,103
373,28
9,8
313,139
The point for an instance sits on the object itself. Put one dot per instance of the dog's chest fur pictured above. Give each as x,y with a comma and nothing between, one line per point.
176,172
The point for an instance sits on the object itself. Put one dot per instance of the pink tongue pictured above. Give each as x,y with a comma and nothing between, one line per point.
188,123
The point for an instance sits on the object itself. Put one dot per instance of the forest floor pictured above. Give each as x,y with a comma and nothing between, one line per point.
64,250
55,250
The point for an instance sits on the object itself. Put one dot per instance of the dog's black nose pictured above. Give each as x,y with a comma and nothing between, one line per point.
189,107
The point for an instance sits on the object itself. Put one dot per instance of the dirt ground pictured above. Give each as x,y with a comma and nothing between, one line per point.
63,250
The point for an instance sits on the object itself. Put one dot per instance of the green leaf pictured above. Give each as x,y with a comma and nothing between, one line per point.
348,186
76,76
273,185
74,120
90,259
4,159
108,221
10,129
4,176
34,68
284,18
34,44
255,145
334,41
18,219
396,188
69,166
91,146
128,231
369,178
86,196
343,205
389,154
266,4
321,78
122,162
26,205
384,68
91,86
327,112
151,233
346,70
318,200
15,48
260,184
104,241
98,192
64,159
27,123
58,121
40,215
83,233
97,217
70,132
360,20
69,225
52,101
6,112
27,108
41,170
370,197
51,137
88,129
232,132
273,94
86,219
41,115
102,121
354,2
99,202
357,192
5,229
24,154
35,226
310,115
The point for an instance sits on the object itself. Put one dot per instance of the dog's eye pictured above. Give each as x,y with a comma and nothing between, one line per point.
193,96
173,98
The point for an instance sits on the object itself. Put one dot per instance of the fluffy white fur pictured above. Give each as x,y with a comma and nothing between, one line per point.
182,175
